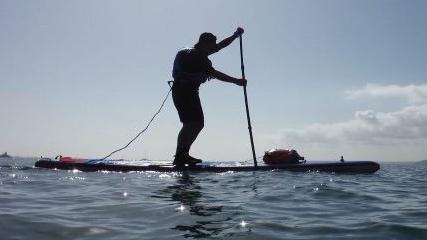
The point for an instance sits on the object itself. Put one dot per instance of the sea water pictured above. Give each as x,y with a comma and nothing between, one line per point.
57,204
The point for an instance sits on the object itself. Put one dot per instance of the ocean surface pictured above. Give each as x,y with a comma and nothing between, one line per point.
58,204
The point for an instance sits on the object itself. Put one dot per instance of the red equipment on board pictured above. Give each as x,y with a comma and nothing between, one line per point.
282,156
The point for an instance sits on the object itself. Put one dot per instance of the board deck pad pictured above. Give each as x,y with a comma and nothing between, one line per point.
88,165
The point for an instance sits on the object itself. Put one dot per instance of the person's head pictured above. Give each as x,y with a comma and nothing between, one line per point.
207,42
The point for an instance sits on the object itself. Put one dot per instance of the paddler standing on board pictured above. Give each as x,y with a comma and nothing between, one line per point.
191,68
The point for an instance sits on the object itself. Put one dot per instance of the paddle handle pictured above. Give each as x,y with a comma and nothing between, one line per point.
246,101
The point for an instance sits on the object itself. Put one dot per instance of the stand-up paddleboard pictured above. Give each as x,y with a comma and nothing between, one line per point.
87,165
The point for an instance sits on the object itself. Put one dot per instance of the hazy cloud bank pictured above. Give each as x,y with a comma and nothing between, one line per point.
369,127
413,93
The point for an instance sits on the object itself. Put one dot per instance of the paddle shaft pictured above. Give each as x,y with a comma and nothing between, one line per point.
246,101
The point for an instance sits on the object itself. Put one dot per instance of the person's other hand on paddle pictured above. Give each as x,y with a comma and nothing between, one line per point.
239,31
241,82
225,78
227,41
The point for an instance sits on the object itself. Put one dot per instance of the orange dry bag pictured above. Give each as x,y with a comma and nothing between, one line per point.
281,156
68,159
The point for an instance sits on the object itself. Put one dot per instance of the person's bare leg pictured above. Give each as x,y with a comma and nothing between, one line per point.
187,135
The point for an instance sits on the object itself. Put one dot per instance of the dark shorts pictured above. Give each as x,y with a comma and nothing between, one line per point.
187,103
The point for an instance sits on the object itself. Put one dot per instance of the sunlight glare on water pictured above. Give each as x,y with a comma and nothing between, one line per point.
181,208
48,204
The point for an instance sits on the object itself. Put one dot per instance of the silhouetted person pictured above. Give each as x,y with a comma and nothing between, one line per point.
191,68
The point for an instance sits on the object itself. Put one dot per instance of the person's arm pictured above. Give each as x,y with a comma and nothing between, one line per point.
224,43
225,78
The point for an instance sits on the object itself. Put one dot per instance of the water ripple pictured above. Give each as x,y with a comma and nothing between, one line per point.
48,204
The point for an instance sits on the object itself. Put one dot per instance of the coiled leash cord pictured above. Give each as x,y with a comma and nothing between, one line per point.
146,128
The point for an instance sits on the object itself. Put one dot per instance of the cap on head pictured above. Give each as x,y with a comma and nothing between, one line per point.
206,37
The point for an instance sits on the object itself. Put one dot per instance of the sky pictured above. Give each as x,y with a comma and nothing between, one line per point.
328,78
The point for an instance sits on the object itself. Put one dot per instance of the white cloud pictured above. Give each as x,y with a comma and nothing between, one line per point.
366,127
413,93
393,135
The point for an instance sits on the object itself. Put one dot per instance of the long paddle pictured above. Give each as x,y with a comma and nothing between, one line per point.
246,101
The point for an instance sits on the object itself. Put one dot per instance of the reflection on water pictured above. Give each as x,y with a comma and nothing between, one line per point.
205,212
188,192
49,204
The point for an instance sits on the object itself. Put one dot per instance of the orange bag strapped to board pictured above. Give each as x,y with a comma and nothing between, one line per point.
281,156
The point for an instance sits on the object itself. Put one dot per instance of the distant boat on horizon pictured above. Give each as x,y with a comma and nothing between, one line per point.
5,155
